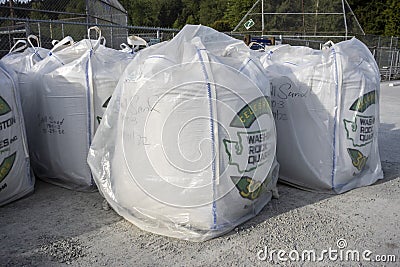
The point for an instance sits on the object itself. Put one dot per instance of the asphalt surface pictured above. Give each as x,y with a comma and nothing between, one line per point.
59,227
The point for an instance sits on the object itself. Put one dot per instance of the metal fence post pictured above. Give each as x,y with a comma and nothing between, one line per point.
87,14
9,38
379,51
111,36
40,34
51,31
391,58
396,64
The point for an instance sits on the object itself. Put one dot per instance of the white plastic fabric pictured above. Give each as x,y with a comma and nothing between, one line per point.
71,87
15,177
24,55
326,107
187,145
21,58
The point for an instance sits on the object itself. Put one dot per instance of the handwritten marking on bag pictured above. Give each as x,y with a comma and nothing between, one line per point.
145,107
286,90
279,116
50,125
283,90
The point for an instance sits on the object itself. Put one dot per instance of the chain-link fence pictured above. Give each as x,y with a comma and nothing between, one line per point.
53,20
47,31
314,22
384,49
386,53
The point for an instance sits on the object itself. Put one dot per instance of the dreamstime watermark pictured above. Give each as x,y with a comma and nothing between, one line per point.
338,253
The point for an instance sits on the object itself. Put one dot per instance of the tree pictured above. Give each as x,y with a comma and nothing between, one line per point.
211,11
236,10
189,13
37,14
392,14
169,12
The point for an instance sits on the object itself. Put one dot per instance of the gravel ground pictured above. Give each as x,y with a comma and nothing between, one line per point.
59,227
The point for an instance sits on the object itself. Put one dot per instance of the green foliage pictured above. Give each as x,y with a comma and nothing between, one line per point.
236,10
221,25
211,11
375,16
76,6
189,14
38,14
392,14
381,17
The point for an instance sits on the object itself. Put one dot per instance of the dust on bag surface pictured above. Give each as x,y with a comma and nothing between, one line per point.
15,177
72,88
326,107
187,145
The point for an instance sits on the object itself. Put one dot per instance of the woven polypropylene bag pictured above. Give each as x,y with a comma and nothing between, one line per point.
15,178
71,89
187,145
326,107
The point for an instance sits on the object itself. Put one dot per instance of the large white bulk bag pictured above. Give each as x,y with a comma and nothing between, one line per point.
24,55
21,58
186,147
15,178
326,107
72,88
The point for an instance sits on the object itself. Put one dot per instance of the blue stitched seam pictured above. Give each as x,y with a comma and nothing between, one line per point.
214,206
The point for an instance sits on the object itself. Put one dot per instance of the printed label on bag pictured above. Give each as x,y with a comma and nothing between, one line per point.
6,166
5,124
250,112
248,188
251,145
363,102
250,149
358,159
4,107
360,129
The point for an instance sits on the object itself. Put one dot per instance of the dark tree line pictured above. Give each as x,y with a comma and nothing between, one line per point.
380,17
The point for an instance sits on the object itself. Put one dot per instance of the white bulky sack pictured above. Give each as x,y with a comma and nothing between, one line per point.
15,177
71,88
186,147
326,107
24,55
21,58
